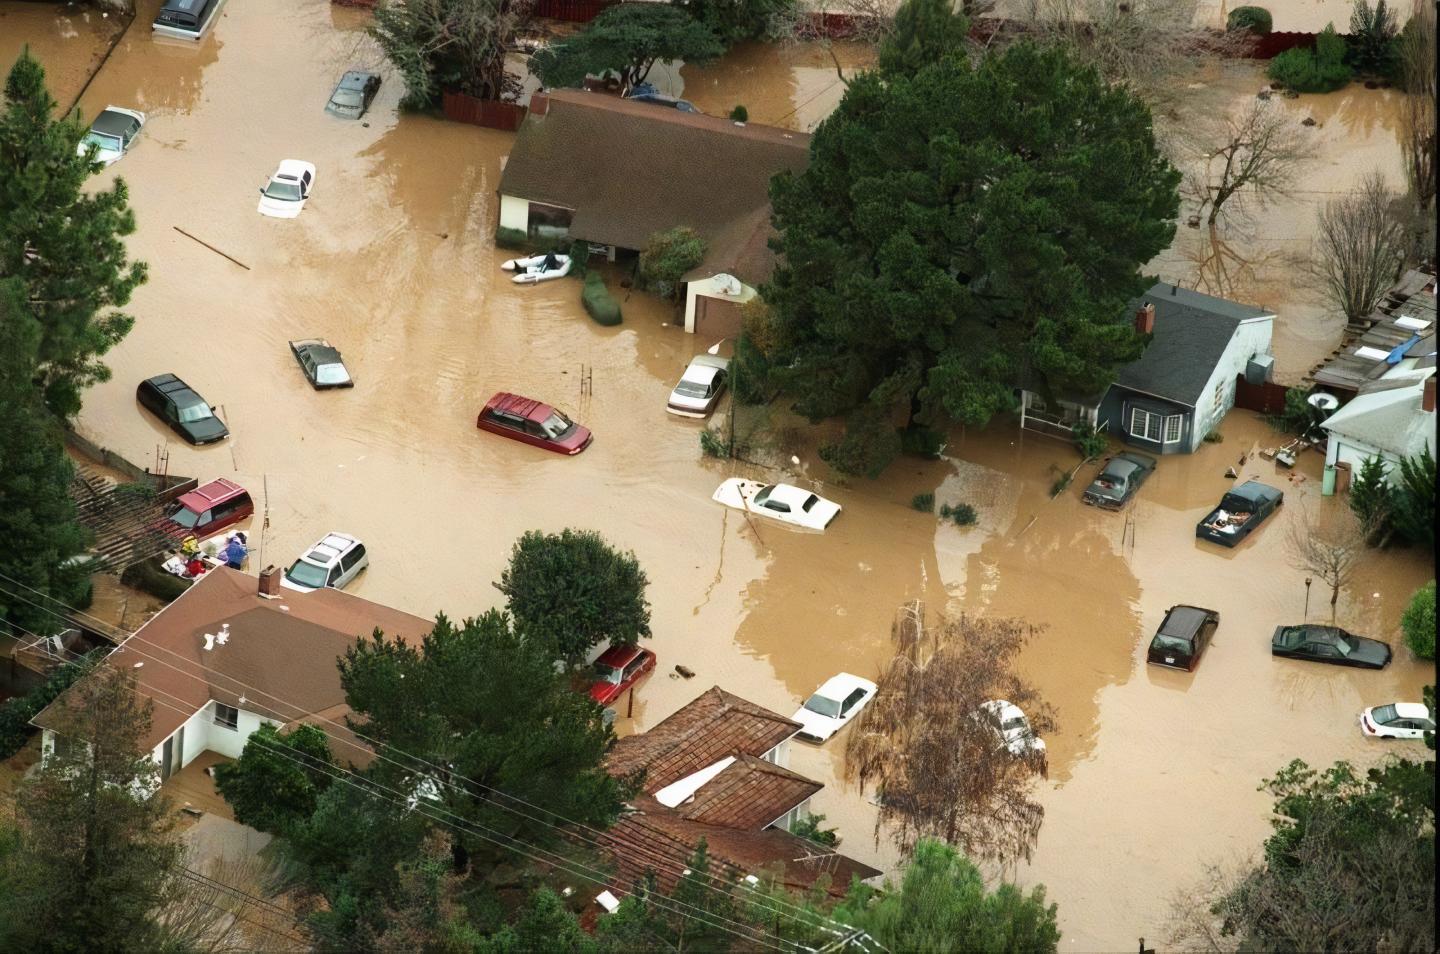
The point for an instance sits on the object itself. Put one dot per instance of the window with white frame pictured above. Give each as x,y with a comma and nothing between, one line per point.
227,717
1172,429
1155,427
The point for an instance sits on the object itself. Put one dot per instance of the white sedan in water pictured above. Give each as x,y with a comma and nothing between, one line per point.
782,502
288,189
112,134
1398,720
1014,727
832,706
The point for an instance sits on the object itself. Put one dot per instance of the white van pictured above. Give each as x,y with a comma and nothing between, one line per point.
333,562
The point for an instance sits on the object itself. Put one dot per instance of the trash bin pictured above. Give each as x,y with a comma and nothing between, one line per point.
1327,481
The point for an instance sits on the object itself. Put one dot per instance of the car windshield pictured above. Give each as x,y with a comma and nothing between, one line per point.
556,425
346,97
1384,715
1343,646
331,374
763,496
1016,724
692,389
287,190
823,706
102,141
1291,636
195,412
184,517
1162,641
306,574
607,673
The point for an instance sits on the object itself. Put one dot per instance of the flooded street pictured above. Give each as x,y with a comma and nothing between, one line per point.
73,39
392,260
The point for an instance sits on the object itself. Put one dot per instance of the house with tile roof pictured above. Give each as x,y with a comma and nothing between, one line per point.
1182,386
613,172
717,770
228,656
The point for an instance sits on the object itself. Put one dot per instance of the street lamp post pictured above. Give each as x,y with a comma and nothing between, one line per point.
734,391
1307,599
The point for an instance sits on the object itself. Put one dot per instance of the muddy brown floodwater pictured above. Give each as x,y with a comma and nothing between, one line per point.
73,39
392,260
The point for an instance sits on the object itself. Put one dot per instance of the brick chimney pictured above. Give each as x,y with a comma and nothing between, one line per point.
270,581
1145,320
539,103
1427,395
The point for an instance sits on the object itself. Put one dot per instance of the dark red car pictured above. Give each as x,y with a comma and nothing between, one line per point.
206,510
617,669
521,419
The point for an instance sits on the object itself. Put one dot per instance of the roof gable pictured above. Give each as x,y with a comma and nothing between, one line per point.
748,794
1389,418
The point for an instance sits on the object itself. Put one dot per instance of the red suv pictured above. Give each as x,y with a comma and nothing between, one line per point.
617,669
522,419
205,511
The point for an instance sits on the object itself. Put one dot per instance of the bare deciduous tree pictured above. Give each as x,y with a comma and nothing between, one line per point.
933,752
1259,153
1417,111
1331,546
1361,246
208,911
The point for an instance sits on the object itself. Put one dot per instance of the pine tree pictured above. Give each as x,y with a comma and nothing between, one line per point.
1370,495
94,853
64,245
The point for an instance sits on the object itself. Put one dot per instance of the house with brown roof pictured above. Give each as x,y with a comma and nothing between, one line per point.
229,656
613,172
717,770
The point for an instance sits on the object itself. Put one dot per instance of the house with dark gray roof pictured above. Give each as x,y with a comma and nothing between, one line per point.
1181,387
613,172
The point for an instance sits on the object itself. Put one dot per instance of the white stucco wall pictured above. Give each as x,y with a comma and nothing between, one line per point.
711,287
1252,337
1355,453
514,213
201,733
779,755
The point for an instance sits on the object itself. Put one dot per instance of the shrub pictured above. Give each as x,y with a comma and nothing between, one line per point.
1418,622
1372,47
1214,437
1089,443
579,253
740,114
1298,417
922,442
925,503
598,301
711,445
809,829
962,514
1058,488
513,239
1320,70
1255,19
146,577
668,255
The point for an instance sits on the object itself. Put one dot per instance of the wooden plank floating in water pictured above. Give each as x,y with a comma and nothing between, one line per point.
211,247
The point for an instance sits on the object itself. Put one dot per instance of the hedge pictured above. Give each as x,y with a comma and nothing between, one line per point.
1255,19
1418,622
1321,70
146,577
598,301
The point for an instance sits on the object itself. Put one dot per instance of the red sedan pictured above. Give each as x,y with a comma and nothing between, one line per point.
617,669
521,419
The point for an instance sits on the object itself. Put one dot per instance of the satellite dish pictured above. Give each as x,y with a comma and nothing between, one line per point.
1323,401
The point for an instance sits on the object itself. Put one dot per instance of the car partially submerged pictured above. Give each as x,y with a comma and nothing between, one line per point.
1329,644
532,422
783,502
182,409
700,387
1118,480
1182,637
335,560
1398,720
353,94
289,187
111,134
832,706
207,510
1240,511
1013,727
618,669
321,364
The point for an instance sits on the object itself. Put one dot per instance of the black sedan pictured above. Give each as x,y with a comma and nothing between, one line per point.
321,364
1117,483
1329,644
353,94
186,412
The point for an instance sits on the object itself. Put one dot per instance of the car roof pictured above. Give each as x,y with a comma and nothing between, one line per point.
1003,709
321,353
330,548
1183,621
1119,467
618,657
840,686
699,374
1411,710
355,79
113,122
527,408
292,167
786,493
217,491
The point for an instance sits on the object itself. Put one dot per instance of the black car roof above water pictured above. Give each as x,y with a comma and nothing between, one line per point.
111,123
320,354
1183,621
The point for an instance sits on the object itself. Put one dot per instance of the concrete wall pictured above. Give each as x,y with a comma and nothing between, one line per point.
711,287
1250,339
514,213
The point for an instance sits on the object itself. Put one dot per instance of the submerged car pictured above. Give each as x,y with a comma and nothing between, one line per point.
186,19
1182,637
111,134
700,387
332,562
1117,482
321,364
1014,727
289,187
1329,644
353,94
186,412
207,510
783,502
1398,720
617,670
832,706
531,422
1240,511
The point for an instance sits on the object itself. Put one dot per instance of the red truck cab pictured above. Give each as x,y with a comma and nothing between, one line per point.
618,669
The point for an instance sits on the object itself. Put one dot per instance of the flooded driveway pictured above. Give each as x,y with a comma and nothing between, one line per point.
392,261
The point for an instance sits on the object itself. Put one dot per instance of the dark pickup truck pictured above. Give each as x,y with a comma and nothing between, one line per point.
1117,483
1240,512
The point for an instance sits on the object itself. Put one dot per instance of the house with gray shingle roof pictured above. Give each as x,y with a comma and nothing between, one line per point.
1181,387
613,172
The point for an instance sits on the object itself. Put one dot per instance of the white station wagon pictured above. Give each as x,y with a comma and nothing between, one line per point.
832,706
782,502
336,560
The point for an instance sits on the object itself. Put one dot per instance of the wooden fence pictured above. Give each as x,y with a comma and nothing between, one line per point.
1267,398
490,113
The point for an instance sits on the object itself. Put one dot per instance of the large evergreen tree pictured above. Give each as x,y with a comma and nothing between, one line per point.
629,39
37,516
959,232
924,32
64,245
94,853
